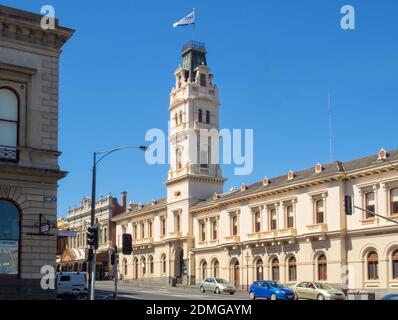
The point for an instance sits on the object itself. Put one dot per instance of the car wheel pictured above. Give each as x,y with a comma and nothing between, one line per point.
202,289
217,290
320,297
273,296
252,296
231,293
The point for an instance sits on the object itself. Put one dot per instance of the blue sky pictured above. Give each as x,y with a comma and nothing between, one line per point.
275,62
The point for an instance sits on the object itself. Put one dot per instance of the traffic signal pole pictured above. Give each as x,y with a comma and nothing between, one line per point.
93,261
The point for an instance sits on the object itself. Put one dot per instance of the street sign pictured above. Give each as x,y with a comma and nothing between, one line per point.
45,228
50,199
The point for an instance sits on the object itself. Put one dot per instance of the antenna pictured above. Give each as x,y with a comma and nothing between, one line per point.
330,129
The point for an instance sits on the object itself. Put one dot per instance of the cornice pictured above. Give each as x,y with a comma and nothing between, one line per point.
23,28
196,177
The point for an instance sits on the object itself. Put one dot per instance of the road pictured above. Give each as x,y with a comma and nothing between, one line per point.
128,291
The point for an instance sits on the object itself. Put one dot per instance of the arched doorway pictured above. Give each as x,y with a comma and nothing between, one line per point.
125,267
203,269
275,269
179,265
235,273
259,270
215,268
143,266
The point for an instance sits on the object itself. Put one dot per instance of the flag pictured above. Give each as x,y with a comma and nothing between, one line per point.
187,20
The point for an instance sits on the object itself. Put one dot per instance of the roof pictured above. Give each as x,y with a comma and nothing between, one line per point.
330,169
137,208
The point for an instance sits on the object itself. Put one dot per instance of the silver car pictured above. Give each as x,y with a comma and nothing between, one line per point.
216,285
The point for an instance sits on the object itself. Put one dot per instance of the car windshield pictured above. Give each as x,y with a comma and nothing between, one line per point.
277,284
323,286
221,281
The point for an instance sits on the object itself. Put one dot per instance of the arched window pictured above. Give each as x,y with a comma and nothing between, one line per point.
200,116
290,216
204,269
207,116
259,270
373,265
275,269
370,204
292,268
394,258
216,266
322,268
151,265
320,211
394,201
164,264
8,125
136,268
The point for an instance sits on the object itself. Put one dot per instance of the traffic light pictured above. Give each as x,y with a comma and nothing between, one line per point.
113,259
348,205
90,255
92,236
127,244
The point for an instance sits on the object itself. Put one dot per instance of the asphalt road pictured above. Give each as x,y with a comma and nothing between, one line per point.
128,291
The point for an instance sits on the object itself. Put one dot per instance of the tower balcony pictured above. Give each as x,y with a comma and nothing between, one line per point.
194,45
193,90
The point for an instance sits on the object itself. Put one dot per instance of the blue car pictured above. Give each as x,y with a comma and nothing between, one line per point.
391,297
270,290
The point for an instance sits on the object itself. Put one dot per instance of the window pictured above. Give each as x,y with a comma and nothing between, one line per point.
214,230
8,125
163,259
322,268
292,269
143,265
290,216
177,222
257,221
178,158
273,219
135,235
207,116
394,200
200,115
235,225
151,265
204,156
202,80
370,204
9,238
202,231
320,211
373,264
142,228
259,270
275,269
105,235
394,258
176,119
162,226
150,233
180,116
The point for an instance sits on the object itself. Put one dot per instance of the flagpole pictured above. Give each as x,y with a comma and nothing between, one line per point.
193,25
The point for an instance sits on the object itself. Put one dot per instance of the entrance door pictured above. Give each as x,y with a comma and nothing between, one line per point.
236,274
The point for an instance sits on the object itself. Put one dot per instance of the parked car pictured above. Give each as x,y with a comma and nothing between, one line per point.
216,285
317,291
393,296
271,290
72,284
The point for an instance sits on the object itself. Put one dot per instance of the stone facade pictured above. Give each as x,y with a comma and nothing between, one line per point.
29,170
289,228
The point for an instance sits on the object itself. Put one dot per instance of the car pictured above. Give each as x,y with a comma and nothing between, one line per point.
270,290
71,284
317,291
393,296
216,285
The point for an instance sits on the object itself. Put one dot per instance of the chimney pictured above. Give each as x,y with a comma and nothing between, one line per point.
124,200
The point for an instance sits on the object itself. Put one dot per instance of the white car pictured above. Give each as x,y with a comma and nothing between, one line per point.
72,284
216,285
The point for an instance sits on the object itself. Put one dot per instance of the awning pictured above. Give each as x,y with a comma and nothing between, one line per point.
73,255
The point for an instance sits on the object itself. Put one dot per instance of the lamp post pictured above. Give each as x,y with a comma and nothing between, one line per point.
96,161
247,271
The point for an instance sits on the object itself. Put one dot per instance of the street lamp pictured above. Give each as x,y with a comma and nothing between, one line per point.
96,161
247,270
